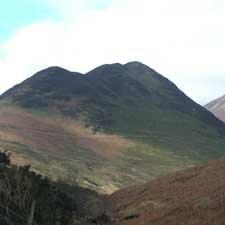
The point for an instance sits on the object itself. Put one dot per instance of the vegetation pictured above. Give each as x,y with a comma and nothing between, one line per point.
27,198
142,125
193,196
130,100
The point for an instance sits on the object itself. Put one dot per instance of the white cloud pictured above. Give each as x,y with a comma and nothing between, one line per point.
184,40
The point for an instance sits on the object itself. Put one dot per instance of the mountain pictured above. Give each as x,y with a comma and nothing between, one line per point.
111,127
193,196
217,107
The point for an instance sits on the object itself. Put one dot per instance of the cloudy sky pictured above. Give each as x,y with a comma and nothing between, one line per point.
182,39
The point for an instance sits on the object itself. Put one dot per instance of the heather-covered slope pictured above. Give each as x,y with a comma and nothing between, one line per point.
116,125
194,197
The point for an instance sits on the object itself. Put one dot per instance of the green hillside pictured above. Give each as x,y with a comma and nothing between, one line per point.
130,124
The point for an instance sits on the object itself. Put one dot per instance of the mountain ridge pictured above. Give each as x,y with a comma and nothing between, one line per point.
126,122
85,81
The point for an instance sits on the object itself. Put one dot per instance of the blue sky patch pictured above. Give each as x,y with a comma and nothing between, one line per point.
15,14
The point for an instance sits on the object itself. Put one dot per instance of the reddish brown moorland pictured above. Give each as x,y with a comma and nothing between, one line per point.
192,197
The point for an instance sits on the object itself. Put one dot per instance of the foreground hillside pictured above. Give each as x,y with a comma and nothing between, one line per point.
114,126
192,197
217,107
27,198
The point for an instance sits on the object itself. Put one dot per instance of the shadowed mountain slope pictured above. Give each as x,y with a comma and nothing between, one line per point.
116,125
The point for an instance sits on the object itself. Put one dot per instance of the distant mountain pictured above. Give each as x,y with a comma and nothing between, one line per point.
116,125
194,196
217,107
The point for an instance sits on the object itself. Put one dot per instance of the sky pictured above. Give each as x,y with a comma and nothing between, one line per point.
183,40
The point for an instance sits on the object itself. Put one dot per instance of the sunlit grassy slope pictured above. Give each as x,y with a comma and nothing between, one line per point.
114,126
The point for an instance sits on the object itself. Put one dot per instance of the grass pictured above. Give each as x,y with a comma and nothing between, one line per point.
64,148
115,126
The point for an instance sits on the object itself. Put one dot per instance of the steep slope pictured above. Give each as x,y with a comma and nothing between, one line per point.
116,125
217,107
194,196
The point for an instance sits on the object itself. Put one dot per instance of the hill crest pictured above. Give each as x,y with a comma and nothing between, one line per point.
136,112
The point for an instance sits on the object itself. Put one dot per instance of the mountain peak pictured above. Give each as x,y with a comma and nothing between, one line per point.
136,65
133,66
106,68
53,70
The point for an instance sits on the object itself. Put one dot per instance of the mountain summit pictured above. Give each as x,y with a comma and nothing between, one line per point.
126,122
106,95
